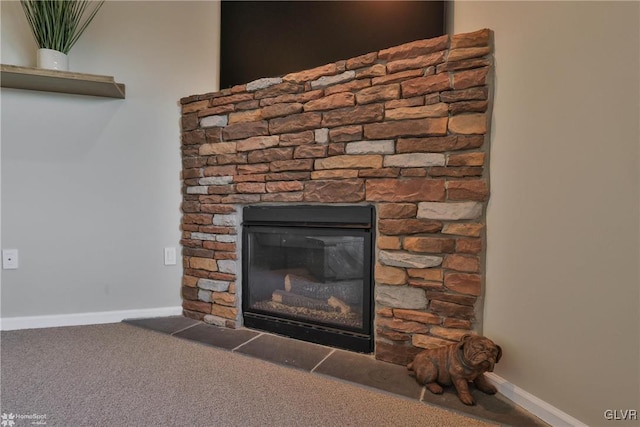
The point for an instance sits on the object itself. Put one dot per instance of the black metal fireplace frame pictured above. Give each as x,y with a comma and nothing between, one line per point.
356,220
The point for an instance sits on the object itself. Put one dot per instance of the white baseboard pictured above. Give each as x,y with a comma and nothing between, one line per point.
52,321
541,409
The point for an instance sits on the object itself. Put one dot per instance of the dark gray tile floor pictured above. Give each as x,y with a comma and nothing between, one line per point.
353,367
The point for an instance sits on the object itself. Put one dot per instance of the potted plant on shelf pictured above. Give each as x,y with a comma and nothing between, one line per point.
56,25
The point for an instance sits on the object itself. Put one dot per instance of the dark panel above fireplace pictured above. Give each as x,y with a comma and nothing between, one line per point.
273,38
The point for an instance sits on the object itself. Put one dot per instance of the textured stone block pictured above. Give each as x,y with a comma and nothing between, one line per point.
414,160
223,311
332,80
468,53
295,123
431,274
469,246
473,39
291,165
450,210
423,85
375,70
450,309
204,296
284,88
405,190
402,325
463,283
475,189
211,121
283,186
397,210
350,86
321,136
257,143
439,144
468,124
312,74
203,264
390,275
227,266
416,48
334,174
344,191
470,78
194,106
434,110
345,134
245,116
310,151
471,94
385,146
280,110
215,320
466,263
270,155
362,60
199,306
401,297
416,316
224,298
297,138
396,227
396,77
349,162
404,259
232,99
429,244
419,127
217,148
466,159
263,83
245,130
421,61
353,115
225,220
251,187
388,242
293,196
378,93
338,100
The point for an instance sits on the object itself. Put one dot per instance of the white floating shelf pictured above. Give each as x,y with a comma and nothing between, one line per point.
40,79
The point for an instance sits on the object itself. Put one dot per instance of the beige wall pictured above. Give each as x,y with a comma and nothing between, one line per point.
562,293
91,186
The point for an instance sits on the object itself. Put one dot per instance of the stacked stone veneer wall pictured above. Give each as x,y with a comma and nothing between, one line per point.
403,128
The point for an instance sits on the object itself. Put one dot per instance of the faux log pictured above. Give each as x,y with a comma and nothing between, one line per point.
295,300
340,305
348,291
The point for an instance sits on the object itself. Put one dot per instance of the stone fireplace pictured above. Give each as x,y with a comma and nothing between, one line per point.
402,130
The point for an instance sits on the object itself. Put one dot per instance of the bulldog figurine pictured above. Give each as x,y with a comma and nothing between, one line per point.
457,364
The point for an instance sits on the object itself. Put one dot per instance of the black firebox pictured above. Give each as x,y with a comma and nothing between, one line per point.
307,273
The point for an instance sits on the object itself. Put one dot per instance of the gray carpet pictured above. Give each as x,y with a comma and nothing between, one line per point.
120,375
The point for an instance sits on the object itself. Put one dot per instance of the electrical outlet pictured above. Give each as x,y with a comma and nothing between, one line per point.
10,259
169,256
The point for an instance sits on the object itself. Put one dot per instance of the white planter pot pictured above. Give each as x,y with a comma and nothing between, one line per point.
52,60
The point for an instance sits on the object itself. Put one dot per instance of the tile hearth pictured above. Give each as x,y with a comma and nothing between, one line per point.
356,368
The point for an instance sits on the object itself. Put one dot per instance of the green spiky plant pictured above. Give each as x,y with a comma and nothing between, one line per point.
57,24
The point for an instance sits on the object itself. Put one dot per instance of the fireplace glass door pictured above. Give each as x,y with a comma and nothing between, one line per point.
308,275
